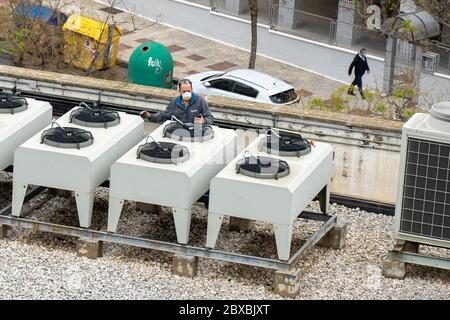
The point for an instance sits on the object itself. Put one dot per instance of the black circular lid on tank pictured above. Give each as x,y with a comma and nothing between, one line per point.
191,132
163,152
93,117
262,167
284,144
66,137
10,103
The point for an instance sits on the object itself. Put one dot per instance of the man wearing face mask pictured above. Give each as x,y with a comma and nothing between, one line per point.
187,107
361,66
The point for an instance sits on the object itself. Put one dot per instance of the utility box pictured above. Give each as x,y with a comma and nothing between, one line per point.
151,64
86,43
422,212
430,61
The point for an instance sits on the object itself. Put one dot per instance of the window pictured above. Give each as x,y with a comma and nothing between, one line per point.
284,97
245,90
430,61
222,84
211,76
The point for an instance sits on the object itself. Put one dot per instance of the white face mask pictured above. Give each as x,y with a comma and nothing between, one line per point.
186,96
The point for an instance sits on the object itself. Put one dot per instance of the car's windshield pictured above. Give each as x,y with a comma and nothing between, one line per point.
284,97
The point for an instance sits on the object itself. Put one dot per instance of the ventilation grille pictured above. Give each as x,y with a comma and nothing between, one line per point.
426,191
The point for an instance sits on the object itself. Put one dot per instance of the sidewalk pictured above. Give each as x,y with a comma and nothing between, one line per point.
194,54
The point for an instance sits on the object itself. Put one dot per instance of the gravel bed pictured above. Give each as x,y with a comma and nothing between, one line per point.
36,265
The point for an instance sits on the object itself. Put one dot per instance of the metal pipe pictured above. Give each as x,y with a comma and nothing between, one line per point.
57,124
34,191
175,119
316,237
151,137
419,259
84,105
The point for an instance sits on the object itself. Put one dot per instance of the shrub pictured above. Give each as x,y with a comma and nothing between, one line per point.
339,100
315,103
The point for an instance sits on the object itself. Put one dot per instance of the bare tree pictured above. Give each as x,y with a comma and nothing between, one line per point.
28,34
439,9
31,41
253,5
110,22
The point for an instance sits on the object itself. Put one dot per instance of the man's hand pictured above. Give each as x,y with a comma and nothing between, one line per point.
199,120
145,114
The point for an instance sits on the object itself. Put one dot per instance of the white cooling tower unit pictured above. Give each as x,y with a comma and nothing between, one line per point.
75,153
170,168
271,182
20,119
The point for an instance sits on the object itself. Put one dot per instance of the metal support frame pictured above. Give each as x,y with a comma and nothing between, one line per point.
98,235
419,259
31,193
317,236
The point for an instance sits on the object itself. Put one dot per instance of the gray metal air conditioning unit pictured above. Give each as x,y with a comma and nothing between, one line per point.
423,197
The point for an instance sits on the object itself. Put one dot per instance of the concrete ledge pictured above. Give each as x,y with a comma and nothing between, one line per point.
287,283
91,249
394,269
335,238
87,82
239,224
184,265
216,103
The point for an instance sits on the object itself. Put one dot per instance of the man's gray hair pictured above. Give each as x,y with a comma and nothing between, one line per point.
183,81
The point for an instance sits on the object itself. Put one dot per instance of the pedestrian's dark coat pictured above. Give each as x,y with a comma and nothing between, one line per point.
197,107
360,64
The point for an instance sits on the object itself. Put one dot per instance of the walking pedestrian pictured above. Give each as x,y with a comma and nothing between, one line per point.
361,66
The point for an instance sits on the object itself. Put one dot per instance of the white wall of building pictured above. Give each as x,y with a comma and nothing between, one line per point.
324,59
434,88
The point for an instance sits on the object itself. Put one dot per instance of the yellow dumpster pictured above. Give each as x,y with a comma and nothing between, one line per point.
86,43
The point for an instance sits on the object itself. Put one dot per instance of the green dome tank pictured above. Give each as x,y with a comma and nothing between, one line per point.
151,64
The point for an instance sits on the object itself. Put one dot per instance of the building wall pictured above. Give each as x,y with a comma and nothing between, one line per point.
324,59
327,8
364,173
434,88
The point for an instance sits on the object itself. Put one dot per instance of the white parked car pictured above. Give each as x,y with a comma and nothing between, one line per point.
246,84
